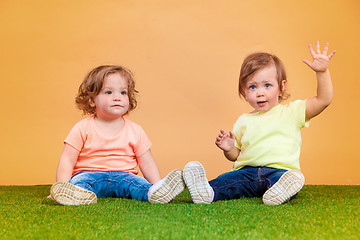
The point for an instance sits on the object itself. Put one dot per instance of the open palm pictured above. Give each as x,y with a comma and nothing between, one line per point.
225,141
320,61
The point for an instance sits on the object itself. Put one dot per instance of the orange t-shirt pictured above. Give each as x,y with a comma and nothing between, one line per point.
104,153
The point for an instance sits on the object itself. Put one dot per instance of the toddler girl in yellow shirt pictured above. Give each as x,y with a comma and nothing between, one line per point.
264,144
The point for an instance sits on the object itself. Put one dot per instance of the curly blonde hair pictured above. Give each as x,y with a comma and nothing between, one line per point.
93,83
257,61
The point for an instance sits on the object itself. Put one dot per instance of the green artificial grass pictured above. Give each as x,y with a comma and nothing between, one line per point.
319,212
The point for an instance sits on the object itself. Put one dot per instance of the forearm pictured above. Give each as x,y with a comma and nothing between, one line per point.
324,96
149,168
324,88
151,172
67,162
64,172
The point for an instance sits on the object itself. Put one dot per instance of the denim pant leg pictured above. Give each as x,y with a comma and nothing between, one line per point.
113,184
245,182
94,181
236,184
271,176
129,186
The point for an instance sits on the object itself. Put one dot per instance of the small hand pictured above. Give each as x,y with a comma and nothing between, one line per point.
320,60
225,141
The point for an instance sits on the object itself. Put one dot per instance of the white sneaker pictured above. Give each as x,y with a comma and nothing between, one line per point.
289,184
68,194
168,188
199,187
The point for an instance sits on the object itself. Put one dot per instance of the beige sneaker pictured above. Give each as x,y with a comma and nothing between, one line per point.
168,188
68,194
199,187
289,184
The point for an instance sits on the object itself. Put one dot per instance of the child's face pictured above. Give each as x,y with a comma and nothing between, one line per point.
262,89
112,101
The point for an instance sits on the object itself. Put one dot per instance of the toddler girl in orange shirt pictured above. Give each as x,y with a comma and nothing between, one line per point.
102,152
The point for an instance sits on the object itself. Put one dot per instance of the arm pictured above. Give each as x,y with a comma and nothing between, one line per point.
225,141
67,161
320,64
149,167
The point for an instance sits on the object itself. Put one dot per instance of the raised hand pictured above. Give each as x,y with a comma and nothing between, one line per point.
320,61
225,141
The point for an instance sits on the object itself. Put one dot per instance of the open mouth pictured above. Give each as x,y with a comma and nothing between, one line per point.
262,103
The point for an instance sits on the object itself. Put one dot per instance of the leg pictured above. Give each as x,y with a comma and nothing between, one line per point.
94,181
127,185
245,182
284,189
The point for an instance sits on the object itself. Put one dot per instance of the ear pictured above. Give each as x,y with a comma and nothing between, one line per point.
91,103
282,87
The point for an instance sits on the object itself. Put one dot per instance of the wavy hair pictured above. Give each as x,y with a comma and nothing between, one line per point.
93,83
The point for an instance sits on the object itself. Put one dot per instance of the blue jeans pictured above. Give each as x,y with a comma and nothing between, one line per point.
245,182
113,184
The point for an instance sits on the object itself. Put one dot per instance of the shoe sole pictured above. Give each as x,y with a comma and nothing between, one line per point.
289,184
197,183
68,194
172,186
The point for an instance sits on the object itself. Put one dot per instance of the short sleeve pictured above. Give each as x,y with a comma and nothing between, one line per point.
143,143
238,132
77,136
237,142
298,111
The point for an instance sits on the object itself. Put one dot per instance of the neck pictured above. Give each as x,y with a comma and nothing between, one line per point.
111,125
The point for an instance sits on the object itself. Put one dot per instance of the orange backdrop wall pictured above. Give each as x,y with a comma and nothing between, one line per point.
186,57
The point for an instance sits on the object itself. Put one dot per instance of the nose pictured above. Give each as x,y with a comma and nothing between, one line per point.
117,97
259,92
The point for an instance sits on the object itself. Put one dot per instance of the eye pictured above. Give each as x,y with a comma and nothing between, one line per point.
252,87
124,93
108,92
267,85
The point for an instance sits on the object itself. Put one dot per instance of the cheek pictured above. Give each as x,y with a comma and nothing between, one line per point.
276,95
249,96
126,100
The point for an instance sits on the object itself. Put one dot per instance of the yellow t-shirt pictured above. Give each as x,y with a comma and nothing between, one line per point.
272,138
